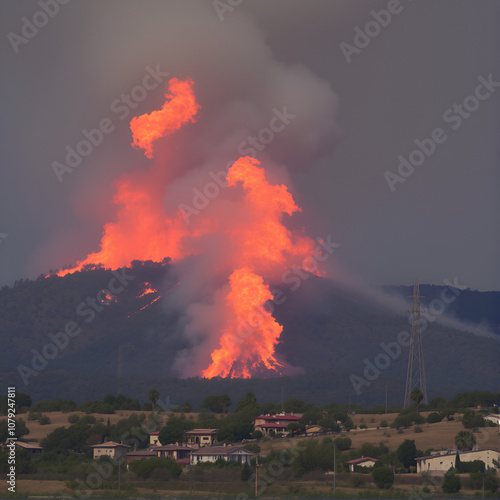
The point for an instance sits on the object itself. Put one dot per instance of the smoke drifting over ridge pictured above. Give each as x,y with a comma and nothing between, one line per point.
282,115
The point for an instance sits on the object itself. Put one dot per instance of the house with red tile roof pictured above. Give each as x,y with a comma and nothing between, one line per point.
277,423
361,462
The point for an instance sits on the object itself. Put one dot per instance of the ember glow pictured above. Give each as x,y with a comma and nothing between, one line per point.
253,245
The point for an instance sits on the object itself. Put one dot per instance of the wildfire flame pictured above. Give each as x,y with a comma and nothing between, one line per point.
262,245
249,344
180,108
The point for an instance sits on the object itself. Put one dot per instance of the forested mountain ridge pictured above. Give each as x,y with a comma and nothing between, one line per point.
330,335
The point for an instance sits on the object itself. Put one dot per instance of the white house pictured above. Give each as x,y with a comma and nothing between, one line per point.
229,453
361,462
110,449
437,463
487,456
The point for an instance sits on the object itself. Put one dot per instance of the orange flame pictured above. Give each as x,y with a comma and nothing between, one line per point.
143,231
262,246
179,108
251,344
247,344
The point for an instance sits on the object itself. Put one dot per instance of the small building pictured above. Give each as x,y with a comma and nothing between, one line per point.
32,449
277,423
111,449
154,439
201,437
487,456
140,454
437,463
314,429
236,454
174,451
361,462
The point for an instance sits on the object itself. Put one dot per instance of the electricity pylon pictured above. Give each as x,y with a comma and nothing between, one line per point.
415,377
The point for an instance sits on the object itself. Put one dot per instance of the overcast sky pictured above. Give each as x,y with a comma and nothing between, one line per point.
382,91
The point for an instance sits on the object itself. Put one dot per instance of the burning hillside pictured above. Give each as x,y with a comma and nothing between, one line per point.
245,223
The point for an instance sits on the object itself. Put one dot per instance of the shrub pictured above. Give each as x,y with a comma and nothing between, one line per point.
44,420
246,472
384,423
434,418
363,426
257,434
357,480
343,443
451,482
471,419
73,418
418,429
146,466
88,419
383,477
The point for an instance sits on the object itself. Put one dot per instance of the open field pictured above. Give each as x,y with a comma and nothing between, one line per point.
404,484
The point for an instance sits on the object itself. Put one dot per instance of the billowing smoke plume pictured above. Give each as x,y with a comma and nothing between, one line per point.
216,196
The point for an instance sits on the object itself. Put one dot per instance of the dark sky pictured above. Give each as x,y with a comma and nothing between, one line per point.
354,118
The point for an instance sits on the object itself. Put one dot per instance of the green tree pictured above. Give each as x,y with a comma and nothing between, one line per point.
249,402
465,440
416,396
451,482
488,478
22,403
383,477
246,472
471,419
21,429
187,407
174,430
153,396
343,443
407,452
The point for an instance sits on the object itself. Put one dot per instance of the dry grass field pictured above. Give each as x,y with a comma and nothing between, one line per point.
60,419
440,435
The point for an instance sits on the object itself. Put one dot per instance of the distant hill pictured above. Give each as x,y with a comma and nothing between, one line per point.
330,334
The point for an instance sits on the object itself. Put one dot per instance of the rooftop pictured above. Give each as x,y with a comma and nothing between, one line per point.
279,416
361,460
220,450
110,444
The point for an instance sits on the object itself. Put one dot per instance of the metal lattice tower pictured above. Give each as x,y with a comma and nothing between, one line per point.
415,377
